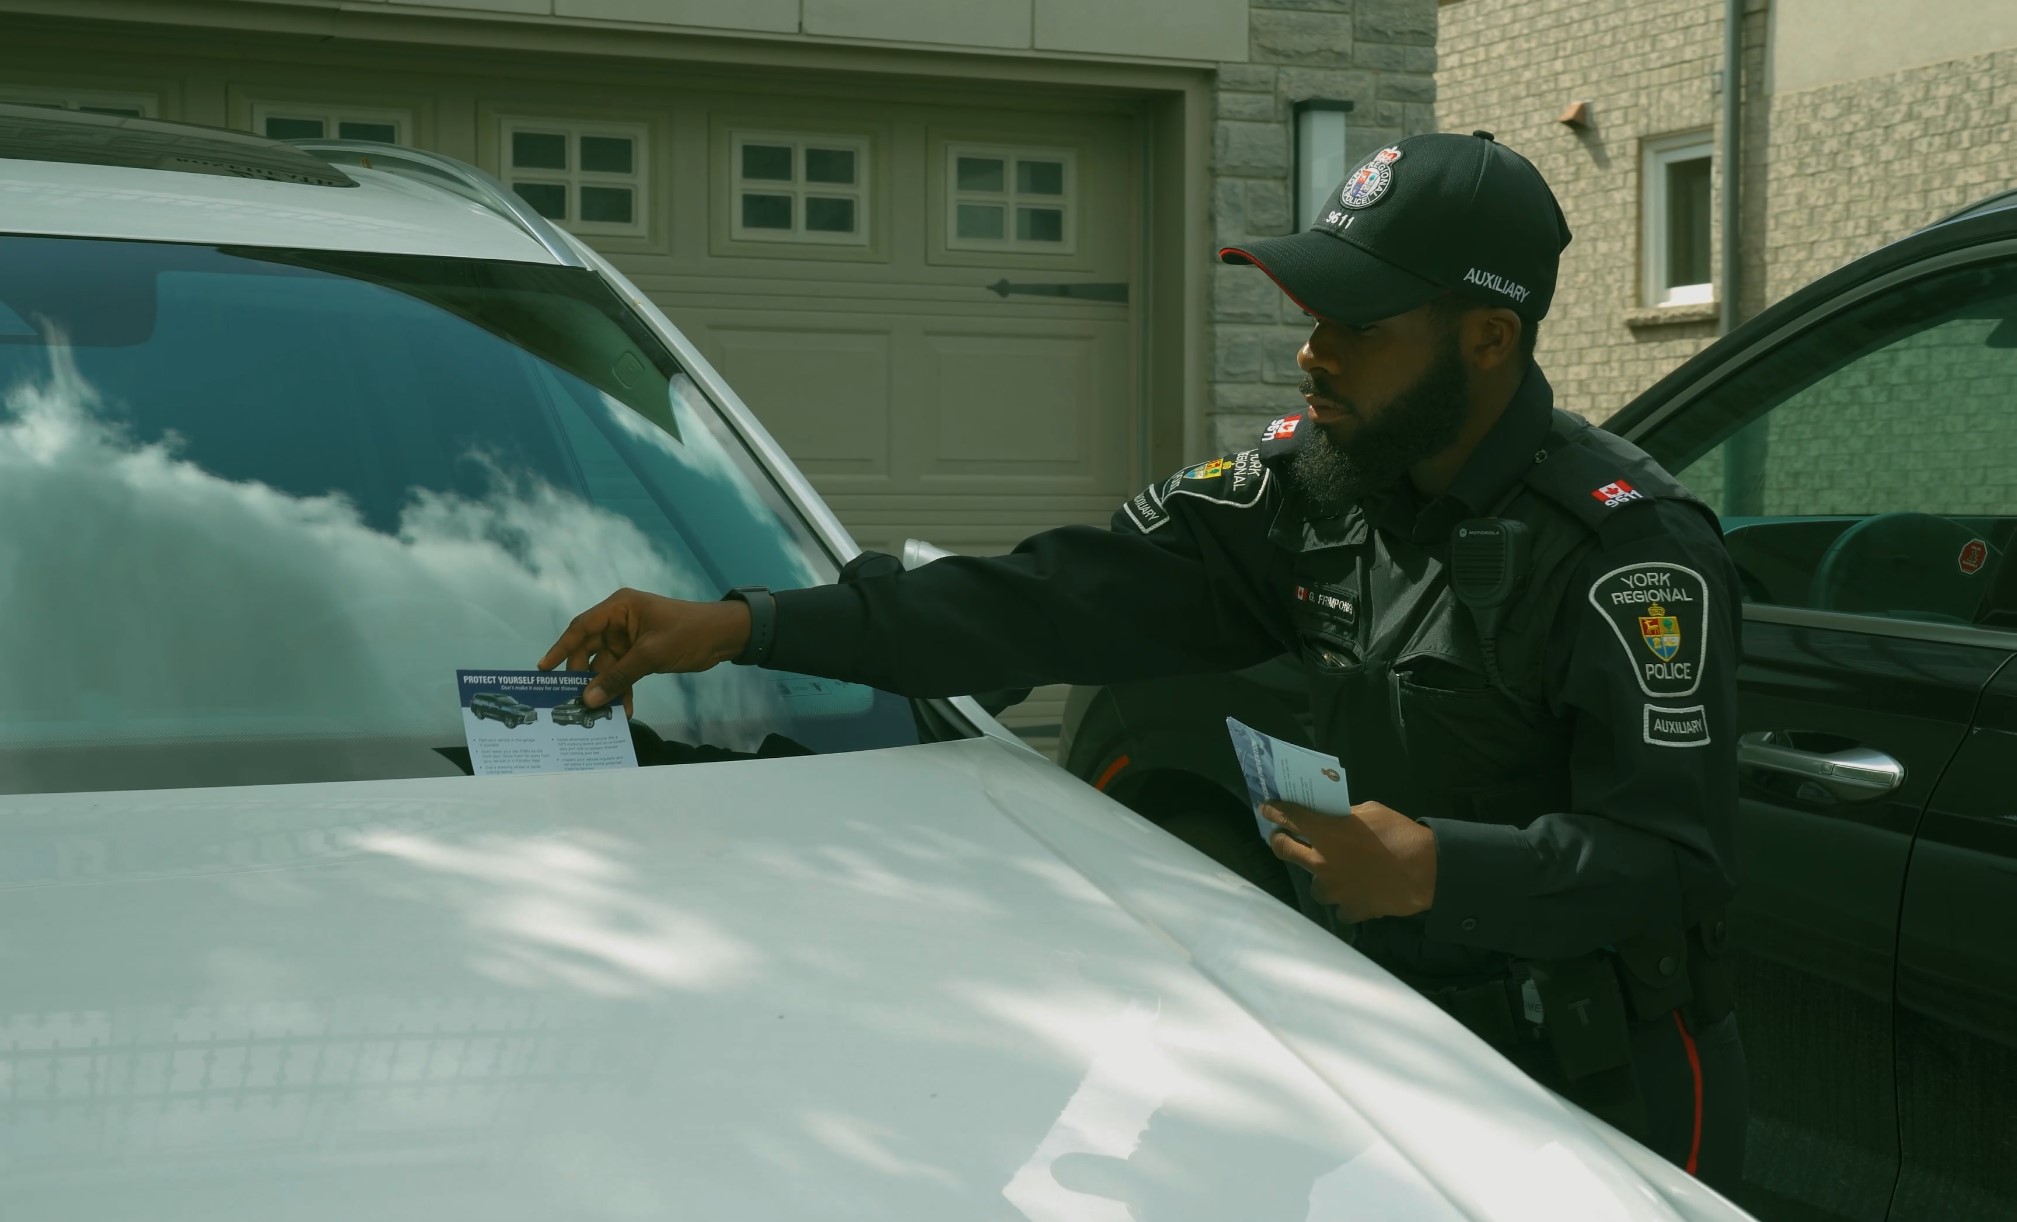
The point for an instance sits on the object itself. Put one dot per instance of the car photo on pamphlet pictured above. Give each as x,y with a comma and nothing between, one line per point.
575,713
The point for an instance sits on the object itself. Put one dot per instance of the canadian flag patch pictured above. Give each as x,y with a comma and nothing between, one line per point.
1616,494
1285,427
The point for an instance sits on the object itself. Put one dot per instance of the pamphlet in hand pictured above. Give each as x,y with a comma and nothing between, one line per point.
1276,770
534,721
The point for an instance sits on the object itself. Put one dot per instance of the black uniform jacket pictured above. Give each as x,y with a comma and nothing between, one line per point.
1580,796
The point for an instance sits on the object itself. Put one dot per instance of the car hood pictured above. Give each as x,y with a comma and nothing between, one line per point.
933,982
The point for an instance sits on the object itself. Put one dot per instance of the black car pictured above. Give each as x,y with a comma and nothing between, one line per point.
496,706
575,713
1859,440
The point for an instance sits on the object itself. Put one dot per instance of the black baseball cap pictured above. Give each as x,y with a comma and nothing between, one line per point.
1426,216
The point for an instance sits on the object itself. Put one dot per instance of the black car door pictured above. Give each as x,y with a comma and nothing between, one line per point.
1957,976
1864,458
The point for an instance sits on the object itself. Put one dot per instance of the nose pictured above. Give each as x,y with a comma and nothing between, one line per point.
1319,352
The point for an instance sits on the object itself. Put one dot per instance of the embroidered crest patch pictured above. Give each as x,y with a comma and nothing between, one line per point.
1659,612
1237,480
1370,181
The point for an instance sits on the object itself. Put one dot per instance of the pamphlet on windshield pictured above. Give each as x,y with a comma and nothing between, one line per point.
534,721
1277,770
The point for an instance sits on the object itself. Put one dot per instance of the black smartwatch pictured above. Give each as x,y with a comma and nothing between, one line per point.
762,623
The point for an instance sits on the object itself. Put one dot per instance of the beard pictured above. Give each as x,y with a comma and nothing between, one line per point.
1331,476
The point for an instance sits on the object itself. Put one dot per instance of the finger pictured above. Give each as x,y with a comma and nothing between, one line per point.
1275,813
572,640
1294,851
614,677
583,631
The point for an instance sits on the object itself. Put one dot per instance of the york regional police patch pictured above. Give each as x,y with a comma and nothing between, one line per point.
1660,613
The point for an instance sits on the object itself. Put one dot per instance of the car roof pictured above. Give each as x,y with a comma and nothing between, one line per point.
69,174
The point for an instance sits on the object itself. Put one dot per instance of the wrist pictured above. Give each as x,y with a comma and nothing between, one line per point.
752,625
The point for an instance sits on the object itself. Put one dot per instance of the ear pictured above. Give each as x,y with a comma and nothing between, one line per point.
1490,339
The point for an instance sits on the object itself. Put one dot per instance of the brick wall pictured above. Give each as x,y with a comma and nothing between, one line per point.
1852,166
1380,55
1830,173
1647,68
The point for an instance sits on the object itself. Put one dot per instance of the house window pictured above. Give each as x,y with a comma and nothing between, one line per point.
279,122
93,101
799,188
1004,198
1676,186
590,177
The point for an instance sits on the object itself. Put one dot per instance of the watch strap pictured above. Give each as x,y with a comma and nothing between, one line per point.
762,624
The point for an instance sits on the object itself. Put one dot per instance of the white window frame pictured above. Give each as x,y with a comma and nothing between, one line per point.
331,114
1009,198
148,104
798,188
573,178
1658,155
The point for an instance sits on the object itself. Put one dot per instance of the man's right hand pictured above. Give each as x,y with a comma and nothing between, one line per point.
632,634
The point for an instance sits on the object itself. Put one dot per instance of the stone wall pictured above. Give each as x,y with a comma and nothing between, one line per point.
1380,55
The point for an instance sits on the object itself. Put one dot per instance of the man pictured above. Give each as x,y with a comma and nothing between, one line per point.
1520,636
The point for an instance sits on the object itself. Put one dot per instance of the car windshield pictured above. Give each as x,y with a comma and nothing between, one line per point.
261,505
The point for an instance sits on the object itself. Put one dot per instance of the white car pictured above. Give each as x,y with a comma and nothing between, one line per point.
288,435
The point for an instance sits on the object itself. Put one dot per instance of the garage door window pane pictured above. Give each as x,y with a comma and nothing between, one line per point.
1040,225
829,215
538,151
766,212
1040,177
829,165
294,129
547,199
980,222
768,162
612,204
982,174
606,155
385,133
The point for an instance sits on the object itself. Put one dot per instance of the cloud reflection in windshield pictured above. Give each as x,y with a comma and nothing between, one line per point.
157,600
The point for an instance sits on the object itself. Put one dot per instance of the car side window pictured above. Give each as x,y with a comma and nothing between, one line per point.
1868,463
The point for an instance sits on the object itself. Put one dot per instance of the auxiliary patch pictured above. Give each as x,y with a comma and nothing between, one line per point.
1665,727
1660,613
1146,509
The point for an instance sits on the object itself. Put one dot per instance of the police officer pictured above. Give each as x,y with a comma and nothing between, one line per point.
1520,636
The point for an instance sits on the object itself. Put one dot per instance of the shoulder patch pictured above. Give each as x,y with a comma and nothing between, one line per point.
1284,436
1596,475
1660,613
1284,427
1237,480
1146,509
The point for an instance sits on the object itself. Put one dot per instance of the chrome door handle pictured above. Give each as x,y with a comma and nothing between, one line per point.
1856,774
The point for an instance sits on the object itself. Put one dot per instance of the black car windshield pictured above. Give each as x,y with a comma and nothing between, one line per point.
260,506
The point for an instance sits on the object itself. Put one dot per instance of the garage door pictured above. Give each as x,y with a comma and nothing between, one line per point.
931,308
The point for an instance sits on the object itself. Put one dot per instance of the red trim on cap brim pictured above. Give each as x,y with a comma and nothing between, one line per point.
1270,272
